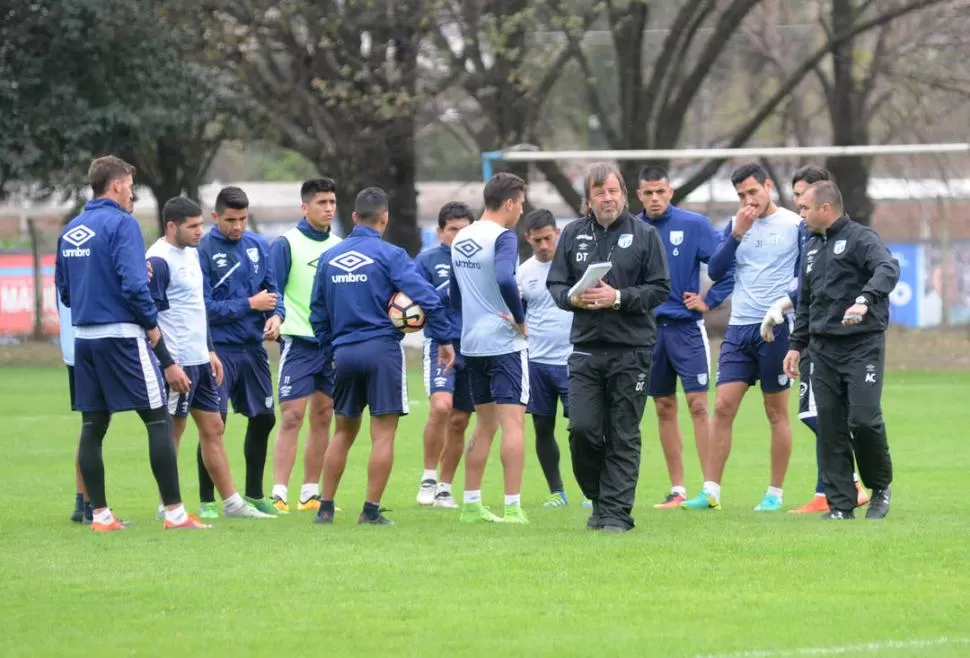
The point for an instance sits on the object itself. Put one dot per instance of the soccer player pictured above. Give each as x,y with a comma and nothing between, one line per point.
549,348
244,308
449,391
348,312
484,257
176,287
762,242
101,276
682,350
82,506
807,413
305,377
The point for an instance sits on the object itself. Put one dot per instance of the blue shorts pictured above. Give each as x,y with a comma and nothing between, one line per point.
70,383
304,369
247,381
682,350
454,381
116,374
502,378
746,357
203,394
548,384
370,374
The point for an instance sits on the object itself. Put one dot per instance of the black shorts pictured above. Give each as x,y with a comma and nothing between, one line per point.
70,383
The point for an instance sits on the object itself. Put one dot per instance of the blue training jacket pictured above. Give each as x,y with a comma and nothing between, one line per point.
434,265
690,239
232,272
101,273
355,281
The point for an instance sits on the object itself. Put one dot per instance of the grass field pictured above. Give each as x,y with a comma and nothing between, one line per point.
682,584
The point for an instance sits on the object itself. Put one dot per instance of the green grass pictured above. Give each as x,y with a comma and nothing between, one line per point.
680,585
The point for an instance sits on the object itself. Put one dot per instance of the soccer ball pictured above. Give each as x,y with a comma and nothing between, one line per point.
405,314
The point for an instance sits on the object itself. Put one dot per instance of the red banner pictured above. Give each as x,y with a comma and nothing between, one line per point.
17,294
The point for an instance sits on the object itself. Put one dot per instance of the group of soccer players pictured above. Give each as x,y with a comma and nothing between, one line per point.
495,342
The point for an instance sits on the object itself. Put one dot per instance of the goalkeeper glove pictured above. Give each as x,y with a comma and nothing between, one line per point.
774,316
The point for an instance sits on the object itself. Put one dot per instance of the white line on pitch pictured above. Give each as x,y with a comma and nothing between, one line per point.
868,647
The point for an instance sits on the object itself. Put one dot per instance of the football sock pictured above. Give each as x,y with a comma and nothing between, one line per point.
255,447
233,503
774,491
547,450
372,510
473,496
79,502
681,491
161,453
713,489
176,515
94,425
104,516
308,491
513,499
429,474
207,489
444,487
280,491
812,424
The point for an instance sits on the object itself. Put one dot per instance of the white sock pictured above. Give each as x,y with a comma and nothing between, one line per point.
177,515
279,491
513,499
444,487
308,491
679,490
713,489
429,474
473,496
855,477
161,508
104,517
233,503
821,495
774,491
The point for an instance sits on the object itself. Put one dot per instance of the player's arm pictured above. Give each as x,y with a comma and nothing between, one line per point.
61,281
405,277
271,282
722,260
798,340
724,286
421,267
280,259
454,291
560,279
158,284
319,315
655,289
878,260
128,254
506,258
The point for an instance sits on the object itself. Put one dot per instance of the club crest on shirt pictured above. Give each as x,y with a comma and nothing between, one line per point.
676,238
839,247
626,239
253,254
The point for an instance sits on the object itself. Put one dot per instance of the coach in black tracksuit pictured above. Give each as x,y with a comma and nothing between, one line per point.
613,334
841,317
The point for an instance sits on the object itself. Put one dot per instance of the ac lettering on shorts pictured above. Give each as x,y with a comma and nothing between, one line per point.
77,236
467,248
870,374
350,262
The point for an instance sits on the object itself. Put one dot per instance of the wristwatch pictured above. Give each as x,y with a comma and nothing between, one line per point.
862,299
616,302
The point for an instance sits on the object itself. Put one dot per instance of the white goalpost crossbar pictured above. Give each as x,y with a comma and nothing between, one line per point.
530,153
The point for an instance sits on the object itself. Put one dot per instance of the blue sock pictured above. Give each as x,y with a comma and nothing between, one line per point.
79,502
372,510
812,424
88,513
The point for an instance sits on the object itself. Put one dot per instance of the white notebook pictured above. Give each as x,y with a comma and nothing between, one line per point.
591,277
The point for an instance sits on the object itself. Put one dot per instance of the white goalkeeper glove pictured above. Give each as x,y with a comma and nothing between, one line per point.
773,317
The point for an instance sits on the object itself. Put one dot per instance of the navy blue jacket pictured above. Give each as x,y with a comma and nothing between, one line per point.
100,272
354,283
232,272
434,265
689,239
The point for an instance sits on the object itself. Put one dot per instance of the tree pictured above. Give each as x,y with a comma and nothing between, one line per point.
339,83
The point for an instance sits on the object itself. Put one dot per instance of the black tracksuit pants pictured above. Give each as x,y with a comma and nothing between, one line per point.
607,393
847,382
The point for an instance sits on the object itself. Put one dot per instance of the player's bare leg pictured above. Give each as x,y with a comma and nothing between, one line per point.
211,441
511,417
451,456
335,460
292,413
486,424
382,431
776,409
673,449
726,402
318,436
435,431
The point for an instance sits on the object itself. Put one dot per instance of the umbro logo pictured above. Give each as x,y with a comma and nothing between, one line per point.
351,261
313,263
467,248
79,235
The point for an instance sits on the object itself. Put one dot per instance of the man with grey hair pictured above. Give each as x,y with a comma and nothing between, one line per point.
613,333
841,318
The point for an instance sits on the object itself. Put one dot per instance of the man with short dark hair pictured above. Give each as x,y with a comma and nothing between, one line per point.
484,258
842,316
549,348
613,335
101,276
348,312
305,378
449,390
176,287
682,350
244,308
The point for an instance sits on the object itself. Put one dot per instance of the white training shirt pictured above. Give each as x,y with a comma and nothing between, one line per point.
548,324
765,266
183,324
